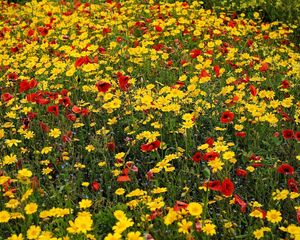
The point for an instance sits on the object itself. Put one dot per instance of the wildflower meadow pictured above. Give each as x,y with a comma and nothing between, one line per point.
147,120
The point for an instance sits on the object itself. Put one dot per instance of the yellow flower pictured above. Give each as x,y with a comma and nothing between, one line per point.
115,236
159,190
85,203
12,142
15,237
55,133
10,159
120,215
280,195
31,208
184,226
195,209
122,225
90,148
209,229
258,234
274,216
33,232
24,173
256,213
120,191
4,216
134,236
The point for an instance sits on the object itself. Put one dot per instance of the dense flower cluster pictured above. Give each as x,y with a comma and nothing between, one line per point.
170,122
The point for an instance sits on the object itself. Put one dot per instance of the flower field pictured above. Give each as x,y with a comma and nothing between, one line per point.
137,120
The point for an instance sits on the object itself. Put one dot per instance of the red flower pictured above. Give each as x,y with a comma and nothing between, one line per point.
65,101
53,109
210,156
76,109
227,117
217,70
288,134
180,205
293,185
285,84
71,117
240,202
6,97
253,90
195,53
197,157
264,67
286,169
204,73
240,134
151,146
43,31
158,28
123,178
214,185
227,187
241,172
123,81
12,76
95,186
111,146
297,136
298,215
210,141
44,126
103,86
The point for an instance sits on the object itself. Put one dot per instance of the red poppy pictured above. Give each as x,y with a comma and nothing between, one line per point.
43,31
82,60
12,76
123,81
297,136
53,109
6,97
227,117
264,67
288,134
210,156
95,186
123,178
241,172
158,28
293,185
105,31
44,126
195,53
42,101
214,185
253,90
111,146
103,86
227,187
67,137
197,157
76,109
240,202
71,117
66,101
210,141
217,70
286,169
64,92
180,205
31,115
285,84
151,146
240,134
204,73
